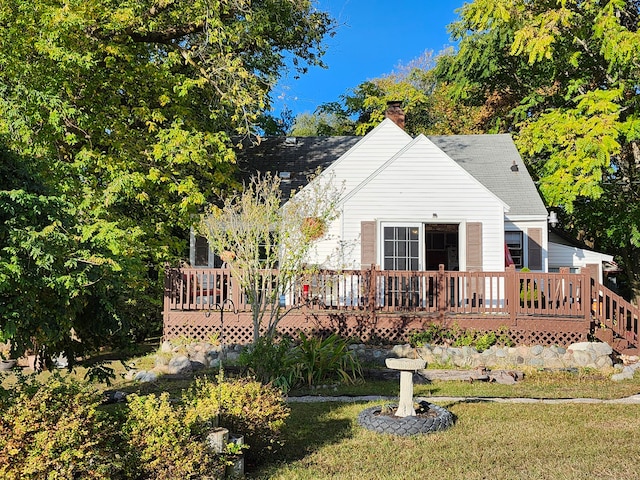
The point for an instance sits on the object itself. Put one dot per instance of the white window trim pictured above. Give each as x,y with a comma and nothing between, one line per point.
421,240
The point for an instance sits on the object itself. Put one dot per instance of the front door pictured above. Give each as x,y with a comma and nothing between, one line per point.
441,246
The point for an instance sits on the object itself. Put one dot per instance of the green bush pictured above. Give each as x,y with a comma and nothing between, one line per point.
58,430
310,361
270,361
438,335
245,407
319,360
55,430
166,440
434,334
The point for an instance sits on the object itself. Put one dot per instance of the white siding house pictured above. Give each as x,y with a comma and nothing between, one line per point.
414,203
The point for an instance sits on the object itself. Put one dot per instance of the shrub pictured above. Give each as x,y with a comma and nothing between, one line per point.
317,360
167,440
434,334
55,430
311,361
245,407
270,361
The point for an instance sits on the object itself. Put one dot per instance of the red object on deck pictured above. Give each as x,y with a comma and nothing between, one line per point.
508,261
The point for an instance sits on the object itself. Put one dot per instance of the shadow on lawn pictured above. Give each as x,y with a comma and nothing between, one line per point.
311,426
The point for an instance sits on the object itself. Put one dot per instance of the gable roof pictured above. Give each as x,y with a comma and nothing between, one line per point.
432,152
299,156
488,158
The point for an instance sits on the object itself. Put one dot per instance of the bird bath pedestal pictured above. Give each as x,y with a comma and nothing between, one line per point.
406,366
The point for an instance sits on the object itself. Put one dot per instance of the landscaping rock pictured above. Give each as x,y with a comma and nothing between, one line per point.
537,350
582,354
145,377
583,358
179,365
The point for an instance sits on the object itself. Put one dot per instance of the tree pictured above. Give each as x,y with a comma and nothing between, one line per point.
428,107
266,243
319,124
125,112
60,281
563,76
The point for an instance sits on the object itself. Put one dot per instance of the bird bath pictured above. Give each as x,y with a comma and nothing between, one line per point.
406,366
406,420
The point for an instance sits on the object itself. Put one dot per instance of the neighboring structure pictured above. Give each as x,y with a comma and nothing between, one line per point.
462,201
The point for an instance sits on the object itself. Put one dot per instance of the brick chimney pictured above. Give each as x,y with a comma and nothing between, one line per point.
395,112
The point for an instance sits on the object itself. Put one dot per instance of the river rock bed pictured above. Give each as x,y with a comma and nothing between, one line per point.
180,358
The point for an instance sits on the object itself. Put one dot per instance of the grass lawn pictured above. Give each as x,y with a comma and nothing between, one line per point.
489,441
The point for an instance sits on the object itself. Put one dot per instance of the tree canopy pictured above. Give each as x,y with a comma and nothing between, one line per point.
125,112
428,107
563,76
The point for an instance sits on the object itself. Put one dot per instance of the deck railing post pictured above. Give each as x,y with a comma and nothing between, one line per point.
512,293
373,282
585,295
441,292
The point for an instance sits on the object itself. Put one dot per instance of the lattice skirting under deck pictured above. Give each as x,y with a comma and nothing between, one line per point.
392,329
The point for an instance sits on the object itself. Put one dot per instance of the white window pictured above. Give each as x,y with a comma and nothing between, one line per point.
514,241
401,250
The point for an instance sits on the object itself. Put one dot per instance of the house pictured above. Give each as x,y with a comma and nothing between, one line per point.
466,202
429,230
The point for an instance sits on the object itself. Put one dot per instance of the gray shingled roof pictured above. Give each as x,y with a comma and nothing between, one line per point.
488,158
300,156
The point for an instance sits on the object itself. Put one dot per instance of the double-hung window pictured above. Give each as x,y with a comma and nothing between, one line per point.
514,241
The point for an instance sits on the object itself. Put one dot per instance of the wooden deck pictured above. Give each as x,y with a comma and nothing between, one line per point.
543,308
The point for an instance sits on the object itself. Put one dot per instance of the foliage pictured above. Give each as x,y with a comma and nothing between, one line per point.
437,334
310,361
56,430
562,76
59,283
482,341
269,361
246,407
318,360
428,108
265,243
320,124
167,440
123,114
434,334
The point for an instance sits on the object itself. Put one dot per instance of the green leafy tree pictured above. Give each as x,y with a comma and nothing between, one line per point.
429,108
563,76
124,111
266,244
320,124
63,287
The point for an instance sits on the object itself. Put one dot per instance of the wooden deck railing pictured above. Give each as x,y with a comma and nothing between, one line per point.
502,293
614,312
508,295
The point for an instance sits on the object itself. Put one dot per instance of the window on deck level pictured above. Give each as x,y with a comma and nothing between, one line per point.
401,248
515,244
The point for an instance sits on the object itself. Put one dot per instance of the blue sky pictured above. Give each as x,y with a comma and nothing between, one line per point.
373,38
